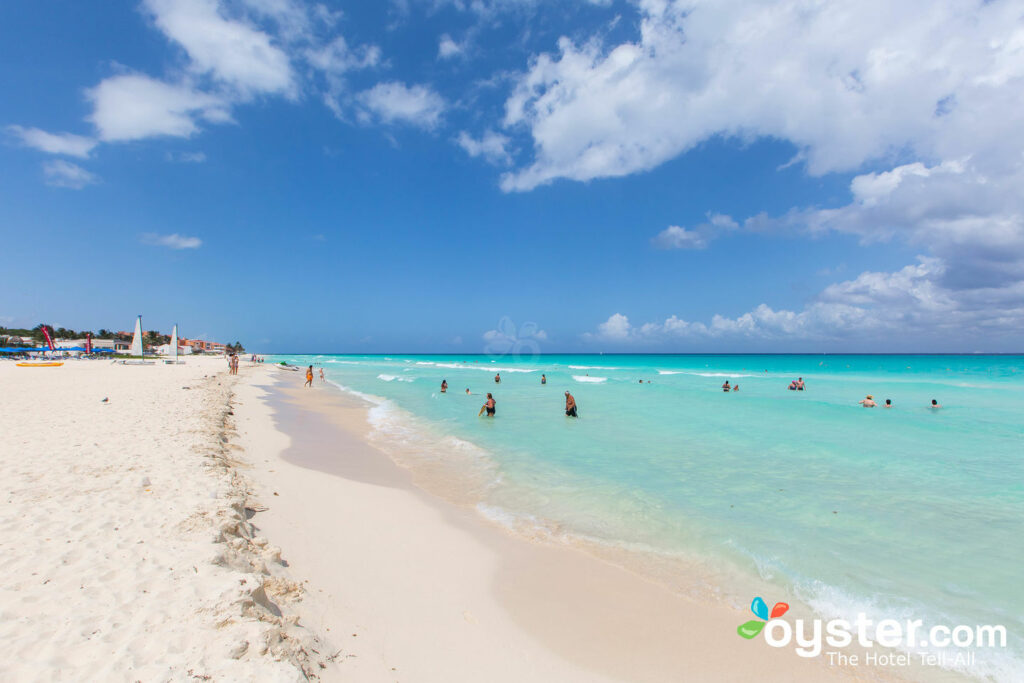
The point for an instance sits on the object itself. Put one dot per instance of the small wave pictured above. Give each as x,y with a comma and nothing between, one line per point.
588,378
594,367
485,368
392,378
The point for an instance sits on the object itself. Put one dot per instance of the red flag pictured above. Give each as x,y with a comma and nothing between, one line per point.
88,342
49,341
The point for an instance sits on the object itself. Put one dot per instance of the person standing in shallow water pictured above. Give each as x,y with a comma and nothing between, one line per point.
543,379
489,405
322,375
309,376
570,405
497,378
444,386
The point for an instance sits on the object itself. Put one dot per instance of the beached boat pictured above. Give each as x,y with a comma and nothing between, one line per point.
45,364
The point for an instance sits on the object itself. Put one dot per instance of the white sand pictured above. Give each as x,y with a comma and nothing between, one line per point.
123,548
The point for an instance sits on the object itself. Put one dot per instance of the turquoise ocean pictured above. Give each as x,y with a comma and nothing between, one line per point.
900,513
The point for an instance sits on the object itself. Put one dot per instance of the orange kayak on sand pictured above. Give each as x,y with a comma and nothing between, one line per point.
51,364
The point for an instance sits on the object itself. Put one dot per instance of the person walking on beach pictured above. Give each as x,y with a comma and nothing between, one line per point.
489,406
309,377
570,405
322,375
497,378
444,386
868,402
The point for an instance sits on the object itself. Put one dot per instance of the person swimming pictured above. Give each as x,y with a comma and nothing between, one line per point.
444,386
467,391
888,403
935,405
489,405
868,402
726,387
736,387
570,405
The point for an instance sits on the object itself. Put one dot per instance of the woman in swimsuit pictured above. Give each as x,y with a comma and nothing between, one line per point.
444,386
489,406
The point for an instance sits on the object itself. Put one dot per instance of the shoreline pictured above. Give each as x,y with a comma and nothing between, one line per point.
579,610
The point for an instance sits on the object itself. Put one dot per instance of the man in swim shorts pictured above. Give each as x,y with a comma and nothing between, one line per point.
309,377
570,405
497,378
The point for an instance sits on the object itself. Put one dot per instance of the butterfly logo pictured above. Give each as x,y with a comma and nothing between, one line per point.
760,610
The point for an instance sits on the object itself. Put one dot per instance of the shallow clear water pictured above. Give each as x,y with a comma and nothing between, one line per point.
901,513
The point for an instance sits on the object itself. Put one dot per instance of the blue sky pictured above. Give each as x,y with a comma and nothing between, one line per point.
440,175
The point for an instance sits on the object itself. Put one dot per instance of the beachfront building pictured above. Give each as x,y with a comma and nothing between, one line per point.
165,350
202,346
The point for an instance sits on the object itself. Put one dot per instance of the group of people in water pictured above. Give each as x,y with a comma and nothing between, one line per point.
869,402
490,405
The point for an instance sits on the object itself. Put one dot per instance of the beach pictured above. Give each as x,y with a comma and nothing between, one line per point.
197,524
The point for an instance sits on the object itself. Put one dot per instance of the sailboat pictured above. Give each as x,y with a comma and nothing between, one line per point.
136,348
173,351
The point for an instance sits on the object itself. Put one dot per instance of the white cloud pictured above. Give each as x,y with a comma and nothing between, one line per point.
886,308
396,102
847,82
134,106
675,237
448,48
232,51
492,146
172,241
60,173
54,143
187,157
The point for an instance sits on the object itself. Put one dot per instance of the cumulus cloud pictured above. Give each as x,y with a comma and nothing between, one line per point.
491,146
60,173
887,308
891,78
675,237
134,106
232,51
64,144
395,102
448,48
172,241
